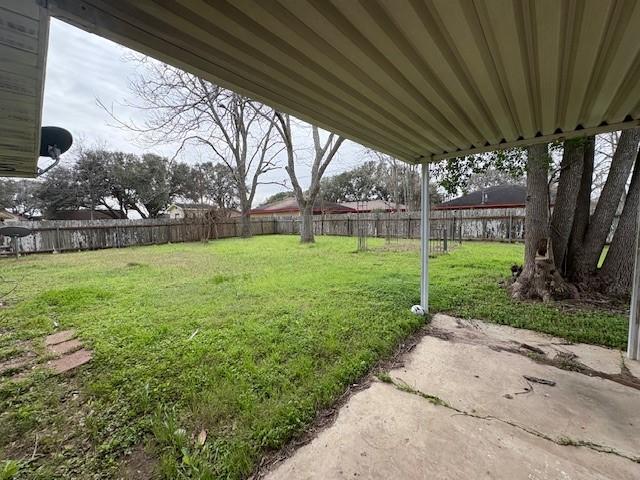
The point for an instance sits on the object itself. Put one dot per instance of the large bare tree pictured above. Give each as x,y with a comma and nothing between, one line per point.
616,274
564,210
323,154
572,239
591,232
185,109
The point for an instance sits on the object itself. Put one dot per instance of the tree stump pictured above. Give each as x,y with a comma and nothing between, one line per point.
542,281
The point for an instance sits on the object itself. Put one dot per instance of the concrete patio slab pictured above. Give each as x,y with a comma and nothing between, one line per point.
384,433
605,360
461,408
633,366
485,382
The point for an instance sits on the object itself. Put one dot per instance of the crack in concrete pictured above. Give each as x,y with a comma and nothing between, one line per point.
561,361
562,441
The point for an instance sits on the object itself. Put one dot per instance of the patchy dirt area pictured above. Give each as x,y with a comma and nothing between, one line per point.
138,465
476,400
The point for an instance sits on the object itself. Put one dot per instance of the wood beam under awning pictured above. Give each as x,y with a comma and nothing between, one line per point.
24,32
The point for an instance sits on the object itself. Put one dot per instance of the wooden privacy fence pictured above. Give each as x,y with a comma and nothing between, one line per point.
407,225
61,236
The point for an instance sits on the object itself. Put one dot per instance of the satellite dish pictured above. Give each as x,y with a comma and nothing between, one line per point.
54,141
15,232
52,138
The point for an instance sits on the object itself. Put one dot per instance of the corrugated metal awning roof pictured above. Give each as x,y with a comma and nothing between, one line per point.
419,79
415,78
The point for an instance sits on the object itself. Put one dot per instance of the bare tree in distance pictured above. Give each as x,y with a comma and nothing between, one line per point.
605,147
393,166
323,154
237,131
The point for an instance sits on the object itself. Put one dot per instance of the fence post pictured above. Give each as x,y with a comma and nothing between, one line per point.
57,247
446,246
454,228
510,227
409,227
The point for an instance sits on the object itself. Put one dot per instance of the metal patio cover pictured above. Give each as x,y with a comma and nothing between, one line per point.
421,80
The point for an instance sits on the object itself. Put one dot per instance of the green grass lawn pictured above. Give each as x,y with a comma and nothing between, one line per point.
244,339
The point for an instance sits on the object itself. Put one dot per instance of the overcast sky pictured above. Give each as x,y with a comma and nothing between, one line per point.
82,67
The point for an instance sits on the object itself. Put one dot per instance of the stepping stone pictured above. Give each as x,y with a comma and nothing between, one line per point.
65,347
15,363
59,337
71,361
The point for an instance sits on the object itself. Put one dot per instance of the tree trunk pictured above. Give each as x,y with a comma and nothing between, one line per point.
565,202
602,218
306,231
582,211
537,204
539,278
245,213
616,275
245,224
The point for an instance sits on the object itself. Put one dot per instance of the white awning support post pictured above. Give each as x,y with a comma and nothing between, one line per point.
424,238
633,345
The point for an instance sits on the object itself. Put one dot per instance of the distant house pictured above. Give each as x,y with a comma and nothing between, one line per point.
195,210
375,206
489,213
289,207
84,215
188,210
500,197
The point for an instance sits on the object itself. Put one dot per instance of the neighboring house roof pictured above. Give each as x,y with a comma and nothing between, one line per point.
84,215
290,205
502,196
374,205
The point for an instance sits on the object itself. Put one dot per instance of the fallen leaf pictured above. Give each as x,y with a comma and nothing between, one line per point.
202,437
